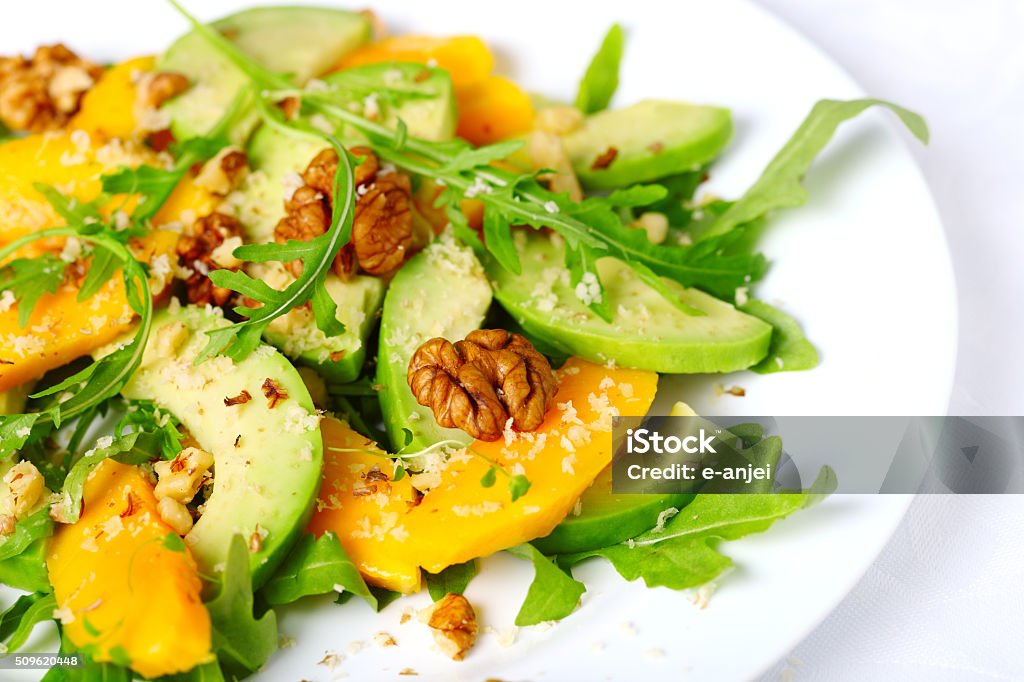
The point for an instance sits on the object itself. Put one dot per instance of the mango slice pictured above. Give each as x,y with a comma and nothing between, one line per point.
362,511
466,58
108,109
62,329
459,519
492,110
123,593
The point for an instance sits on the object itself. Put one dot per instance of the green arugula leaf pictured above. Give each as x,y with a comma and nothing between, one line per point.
242,642
789,350
91,671
470,157
10,619
173,542
27,569
601,79
102,268
452,580
15,430
29,278
498,238
238,340
25,616
683,554
74,211
553,594
315,566
518,485
26,532
780,184
145,416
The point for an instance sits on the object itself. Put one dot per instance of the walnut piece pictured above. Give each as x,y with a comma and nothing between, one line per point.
479,383
453,621
196,252
44,91
157,87
382,222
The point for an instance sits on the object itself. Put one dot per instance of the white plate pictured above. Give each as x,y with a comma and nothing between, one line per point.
864,267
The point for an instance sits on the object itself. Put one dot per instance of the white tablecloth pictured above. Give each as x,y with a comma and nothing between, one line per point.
945,600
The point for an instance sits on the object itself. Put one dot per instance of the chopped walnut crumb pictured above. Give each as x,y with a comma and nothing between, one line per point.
453,621
479,384
44,91
199,253
605,159
7,524
273,392
239,399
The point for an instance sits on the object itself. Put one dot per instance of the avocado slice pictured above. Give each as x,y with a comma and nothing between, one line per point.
300,41
276,159
442,291
267,460
607,519
651,139
646,332
421,96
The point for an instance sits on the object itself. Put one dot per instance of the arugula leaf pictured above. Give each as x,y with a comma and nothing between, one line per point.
101,270
683,554
91,671
24,615
789,349
15,430
146,416
452,580
72,210
10,619
238,340
29,278
242,642
553,594
131,448
27,531
601,79
315,566
470,157
27,570
780,184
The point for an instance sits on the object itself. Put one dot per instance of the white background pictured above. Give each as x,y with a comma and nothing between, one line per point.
945,601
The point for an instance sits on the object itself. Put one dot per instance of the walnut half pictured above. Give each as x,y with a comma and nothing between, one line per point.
453,621
381,224
479,383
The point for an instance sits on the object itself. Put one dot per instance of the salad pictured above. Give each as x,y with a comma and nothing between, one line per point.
298,307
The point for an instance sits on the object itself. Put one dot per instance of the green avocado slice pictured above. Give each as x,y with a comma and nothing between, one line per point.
276,160
606,519
300,41
651,139
267,459
441,292
646,331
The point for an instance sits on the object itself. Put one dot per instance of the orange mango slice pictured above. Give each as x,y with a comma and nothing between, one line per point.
493,109
361,511
466,58
459,519
120,590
